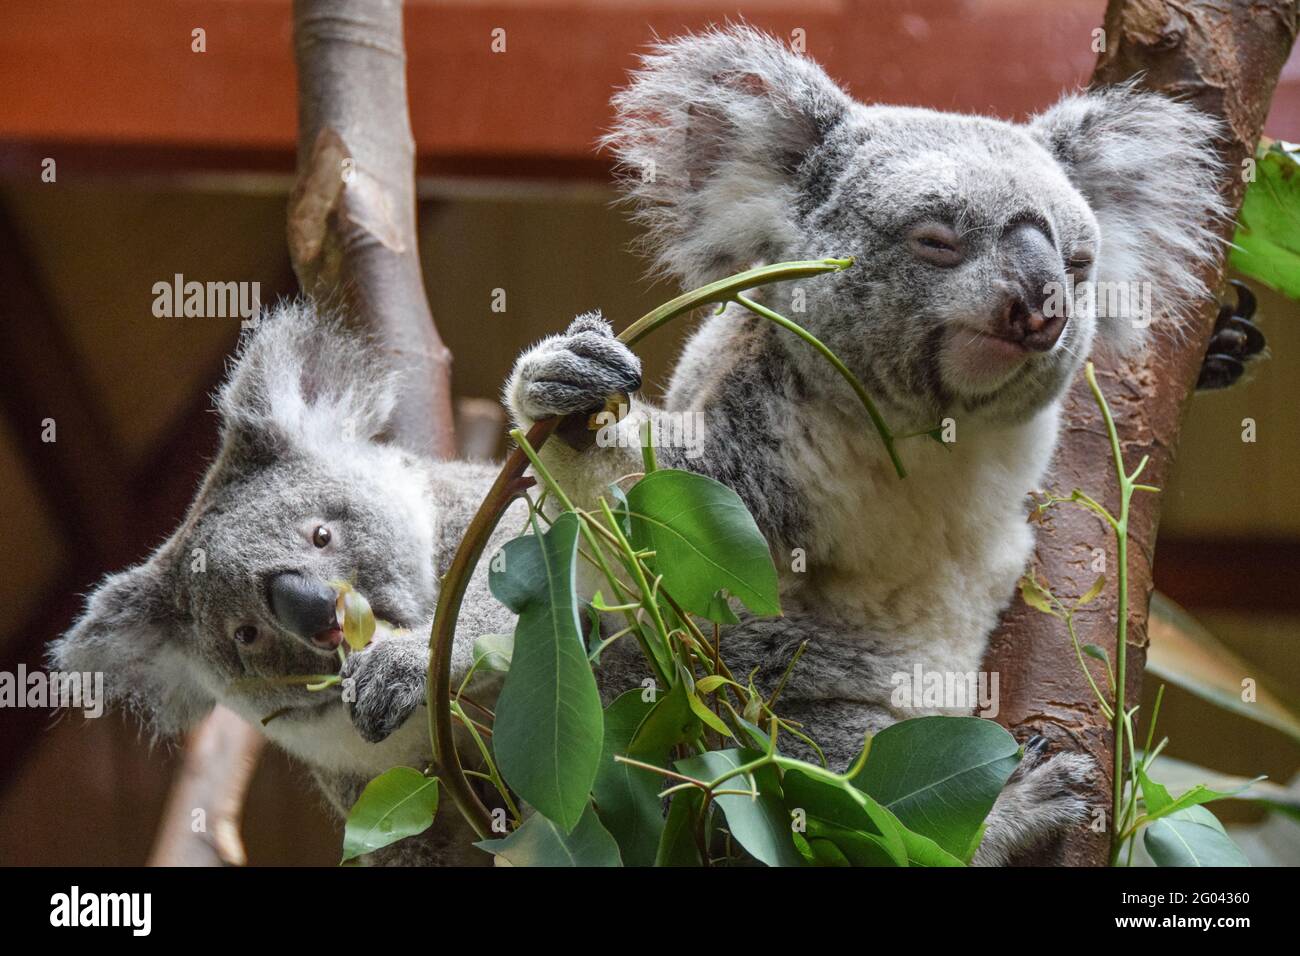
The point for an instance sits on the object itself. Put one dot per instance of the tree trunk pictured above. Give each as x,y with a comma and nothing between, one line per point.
352,238
1224,56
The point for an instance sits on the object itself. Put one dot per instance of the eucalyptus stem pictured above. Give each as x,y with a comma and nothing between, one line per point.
1120,526
878,420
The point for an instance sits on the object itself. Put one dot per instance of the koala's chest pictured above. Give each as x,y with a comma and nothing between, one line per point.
929,560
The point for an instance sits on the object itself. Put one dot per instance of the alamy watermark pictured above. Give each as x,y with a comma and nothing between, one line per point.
958,690
83,690
207,300
623,429
1131,301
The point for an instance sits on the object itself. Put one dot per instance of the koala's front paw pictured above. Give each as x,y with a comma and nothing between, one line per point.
1044,797
573,372
383,685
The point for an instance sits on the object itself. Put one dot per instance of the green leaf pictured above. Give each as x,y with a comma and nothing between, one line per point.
708,717
1091,594
539,842
704,540
826,853
1184,653
495,651
1158,803
707,685
758,823
865,832
720,609
1098,653
358,620
549,725
940,775
1191,837
1178,774
619,507
677,845
1266,246
627,797
670,722
1036,596
397,804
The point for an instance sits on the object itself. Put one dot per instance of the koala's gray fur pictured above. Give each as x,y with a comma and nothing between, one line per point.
756,156
303,413
738,152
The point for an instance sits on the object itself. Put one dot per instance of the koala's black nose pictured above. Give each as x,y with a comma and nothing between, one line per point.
304,606
1023,322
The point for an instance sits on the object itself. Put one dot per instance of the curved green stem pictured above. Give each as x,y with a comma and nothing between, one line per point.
873,413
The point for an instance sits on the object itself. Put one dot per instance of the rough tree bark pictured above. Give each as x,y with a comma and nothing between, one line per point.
352,239
1224,56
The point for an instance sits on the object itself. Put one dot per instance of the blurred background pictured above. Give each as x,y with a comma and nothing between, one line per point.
170,161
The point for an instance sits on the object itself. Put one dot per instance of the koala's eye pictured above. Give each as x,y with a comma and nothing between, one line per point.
321,536
245,634
937,244
1080,261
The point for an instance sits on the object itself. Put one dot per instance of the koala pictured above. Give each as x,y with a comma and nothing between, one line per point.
736,152
304,491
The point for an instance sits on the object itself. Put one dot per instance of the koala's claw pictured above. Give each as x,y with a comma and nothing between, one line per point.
1044,797
383,685
1235,341
574,372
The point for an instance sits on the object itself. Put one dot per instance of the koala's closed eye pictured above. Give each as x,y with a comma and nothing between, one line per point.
1079,260
936,243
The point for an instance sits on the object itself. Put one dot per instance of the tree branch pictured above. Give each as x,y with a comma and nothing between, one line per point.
1224,56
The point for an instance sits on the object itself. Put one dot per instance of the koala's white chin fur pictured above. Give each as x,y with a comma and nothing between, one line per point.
330,743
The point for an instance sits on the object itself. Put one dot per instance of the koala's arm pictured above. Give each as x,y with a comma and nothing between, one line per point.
384,685
734,405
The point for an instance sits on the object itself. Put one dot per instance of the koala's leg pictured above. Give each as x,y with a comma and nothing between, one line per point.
729,432
1043,799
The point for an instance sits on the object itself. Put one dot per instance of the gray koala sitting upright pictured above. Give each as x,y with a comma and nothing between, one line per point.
738,152
303,492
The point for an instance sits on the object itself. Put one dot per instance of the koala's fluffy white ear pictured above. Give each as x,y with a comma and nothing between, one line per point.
1147,166
301,379
130,632
707,136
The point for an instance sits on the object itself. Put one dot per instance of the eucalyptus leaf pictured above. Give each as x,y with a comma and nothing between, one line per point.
397,804
1091,594
1158,802
940,775
669,722
494,651
758,822
549,724
1036,596
1192,836
705,540
627,797
866,833
540,842
677,843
